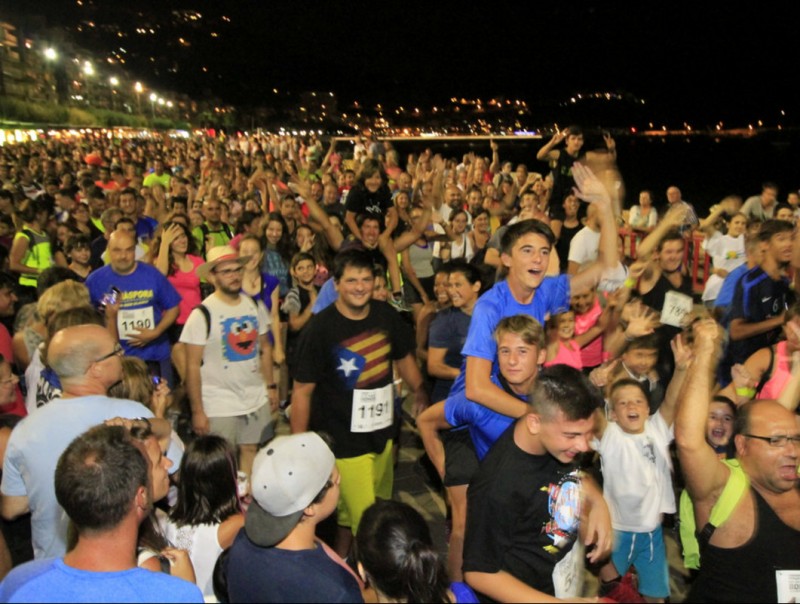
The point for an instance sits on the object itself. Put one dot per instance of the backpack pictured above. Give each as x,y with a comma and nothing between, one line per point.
694,542
206,231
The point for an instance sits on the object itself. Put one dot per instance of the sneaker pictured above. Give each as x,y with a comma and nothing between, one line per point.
399,304
621,590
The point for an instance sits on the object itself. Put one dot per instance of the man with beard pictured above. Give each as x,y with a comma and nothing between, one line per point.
229,375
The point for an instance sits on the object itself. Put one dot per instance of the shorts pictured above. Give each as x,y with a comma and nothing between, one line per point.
647,553
411,294
252,429
363,479
460,460
174,333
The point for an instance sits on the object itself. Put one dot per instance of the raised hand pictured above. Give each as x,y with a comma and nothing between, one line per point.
707,334
642,320
680,352
588,187
600,375
611,144
741,377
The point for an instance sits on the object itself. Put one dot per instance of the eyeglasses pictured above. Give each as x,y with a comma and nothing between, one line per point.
229,271
776,441
118,351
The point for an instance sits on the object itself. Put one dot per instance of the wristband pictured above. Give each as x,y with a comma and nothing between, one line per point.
630,283
272,386
747,392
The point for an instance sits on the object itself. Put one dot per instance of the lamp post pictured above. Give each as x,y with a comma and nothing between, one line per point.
153,99
114,81
88,71
51,56
138,89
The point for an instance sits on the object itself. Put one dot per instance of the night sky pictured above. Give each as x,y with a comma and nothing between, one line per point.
703,60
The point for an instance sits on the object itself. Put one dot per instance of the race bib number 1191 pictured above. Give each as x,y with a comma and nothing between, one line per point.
372,409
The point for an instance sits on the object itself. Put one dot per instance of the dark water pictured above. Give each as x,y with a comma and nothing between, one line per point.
706,169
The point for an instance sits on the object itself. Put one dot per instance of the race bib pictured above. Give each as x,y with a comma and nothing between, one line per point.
372,409
569,573
788,585
676,307
131,320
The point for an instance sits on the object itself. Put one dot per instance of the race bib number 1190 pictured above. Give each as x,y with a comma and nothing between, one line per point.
130,321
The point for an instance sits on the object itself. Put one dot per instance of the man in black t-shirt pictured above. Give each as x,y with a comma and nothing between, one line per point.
343,385
524,504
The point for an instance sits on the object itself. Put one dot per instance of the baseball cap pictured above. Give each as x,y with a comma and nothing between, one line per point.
288,474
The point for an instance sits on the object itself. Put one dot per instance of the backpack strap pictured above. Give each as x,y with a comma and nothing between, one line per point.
735,488
205,231
767,375
207,314
693,542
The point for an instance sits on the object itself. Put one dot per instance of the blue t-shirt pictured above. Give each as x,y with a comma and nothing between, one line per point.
326,296
448,330
485,426
273,264
145,288
757,298
552,297
145,227
269,574
725,295
463,593
53,581
33,450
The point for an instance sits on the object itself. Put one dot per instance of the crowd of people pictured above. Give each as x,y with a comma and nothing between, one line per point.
209,345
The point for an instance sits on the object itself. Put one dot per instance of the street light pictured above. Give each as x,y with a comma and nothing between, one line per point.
138,88
114,81
51,56
153,99
88,71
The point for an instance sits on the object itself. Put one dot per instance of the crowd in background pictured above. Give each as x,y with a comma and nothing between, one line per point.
502,297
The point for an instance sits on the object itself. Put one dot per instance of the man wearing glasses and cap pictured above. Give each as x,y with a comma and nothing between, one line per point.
229,373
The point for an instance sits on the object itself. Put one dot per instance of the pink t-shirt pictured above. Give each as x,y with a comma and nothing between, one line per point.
592,353
17,406
188,286
567,355
781,372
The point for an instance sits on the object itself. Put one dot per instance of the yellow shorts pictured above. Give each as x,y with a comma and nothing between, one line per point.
363,478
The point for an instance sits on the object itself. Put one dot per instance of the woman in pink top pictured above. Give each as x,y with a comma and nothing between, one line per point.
178,260
765,373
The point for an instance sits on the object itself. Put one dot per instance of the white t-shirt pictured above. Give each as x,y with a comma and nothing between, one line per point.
231,372
202,543
726,253
584,246
637,482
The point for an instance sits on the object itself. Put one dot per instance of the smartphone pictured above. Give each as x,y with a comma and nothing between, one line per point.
111,297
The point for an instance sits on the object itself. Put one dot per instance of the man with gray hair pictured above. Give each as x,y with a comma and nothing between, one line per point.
87,361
